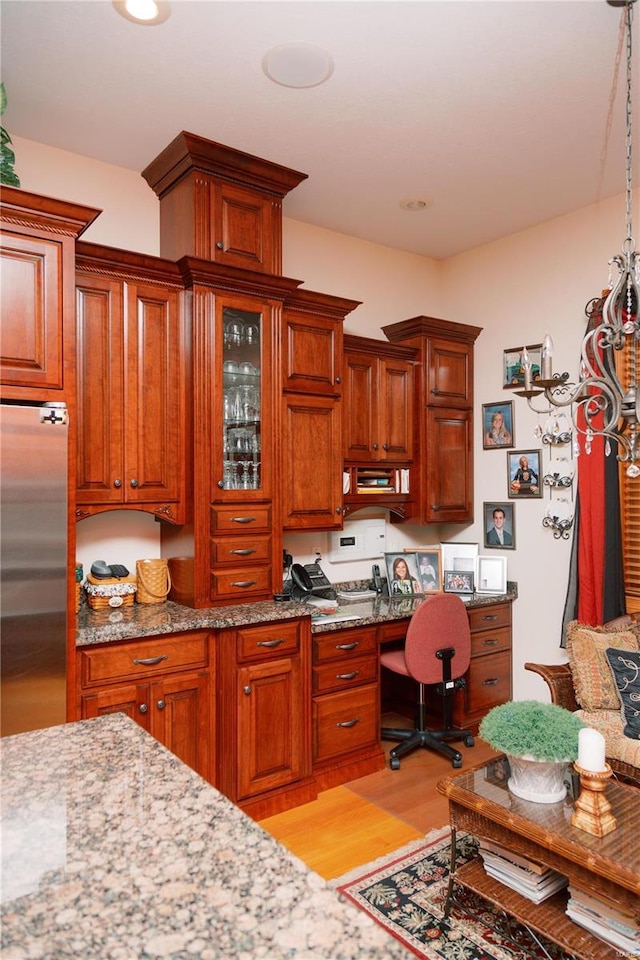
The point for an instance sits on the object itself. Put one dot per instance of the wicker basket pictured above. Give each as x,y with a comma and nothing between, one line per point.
154,581
110,592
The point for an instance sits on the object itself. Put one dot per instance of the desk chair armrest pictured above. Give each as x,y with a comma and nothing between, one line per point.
560,682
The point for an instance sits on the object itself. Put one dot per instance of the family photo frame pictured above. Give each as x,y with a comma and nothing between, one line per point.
523,474
458,581
512,366
402,574
499,525
497,425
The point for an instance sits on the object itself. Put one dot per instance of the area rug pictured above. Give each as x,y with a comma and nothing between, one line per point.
406,891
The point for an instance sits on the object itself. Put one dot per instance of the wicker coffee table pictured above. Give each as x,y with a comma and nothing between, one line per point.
481,804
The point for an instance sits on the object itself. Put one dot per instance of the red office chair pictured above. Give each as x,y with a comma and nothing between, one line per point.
437,652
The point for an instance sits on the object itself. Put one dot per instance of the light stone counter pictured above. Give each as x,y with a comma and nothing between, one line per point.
113,849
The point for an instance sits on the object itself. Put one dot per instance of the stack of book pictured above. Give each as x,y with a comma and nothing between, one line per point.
533,880
618,927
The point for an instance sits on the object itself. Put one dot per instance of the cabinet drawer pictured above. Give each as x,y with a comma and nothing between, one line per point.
485,618
241,582
343,644
393,632
241,519
488,683
271,638
347,721
143,658
490,641
234,550
341,675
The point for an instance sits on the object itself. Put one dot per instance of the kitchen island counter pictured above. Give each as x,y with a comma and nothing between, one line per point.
115,850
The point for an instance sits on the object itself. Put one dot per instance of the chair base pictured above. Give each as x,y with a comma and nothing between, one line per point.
429,739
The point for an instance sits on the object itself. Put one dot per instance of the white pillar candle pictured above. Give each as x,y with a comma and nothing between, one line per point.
547,355
591,750
526,366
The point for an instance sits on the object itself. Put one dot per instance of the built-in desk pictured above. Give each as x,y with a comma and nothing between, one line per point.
265,702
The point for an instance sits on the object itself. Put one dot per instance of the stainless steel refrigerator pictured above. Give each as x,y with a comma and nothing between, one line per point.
33,570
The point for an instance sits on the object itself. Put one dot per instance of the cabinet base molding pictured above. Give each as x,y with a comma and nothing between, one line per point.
350,768
281,799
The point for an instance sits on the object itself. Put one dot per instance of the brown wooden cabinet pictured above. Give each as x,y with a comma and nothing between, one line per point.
131,356
346,706
37,261
446,415
162,683
311,435
220,204
379,401
264,759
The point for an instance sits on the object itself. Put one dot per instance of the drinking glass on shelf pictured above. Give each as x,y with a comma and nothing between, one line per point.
234,333
251,333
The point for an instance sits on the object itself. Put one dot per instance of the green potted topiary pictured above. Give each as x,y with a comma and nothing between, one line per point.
540,740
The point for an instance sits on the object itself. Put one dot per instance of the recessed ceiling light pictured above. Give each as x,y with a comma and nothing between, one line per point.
416,204
298,65
147,13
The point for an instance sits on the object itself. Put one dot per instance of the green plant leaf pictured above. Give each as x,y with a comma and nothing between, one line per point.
3,99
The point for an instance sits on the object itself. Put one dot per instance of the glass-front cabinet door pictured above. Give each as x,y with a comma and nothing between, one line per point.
241,447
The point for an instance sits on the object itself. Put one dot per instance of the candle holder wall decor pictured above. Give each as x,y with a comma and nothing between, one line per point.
592,809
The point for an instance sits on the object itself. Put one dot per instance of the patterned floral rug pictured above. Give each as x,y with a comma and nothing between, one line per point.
406,891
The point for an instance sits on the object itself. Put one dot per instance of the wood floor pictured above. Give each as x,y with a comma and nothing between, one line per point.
357,822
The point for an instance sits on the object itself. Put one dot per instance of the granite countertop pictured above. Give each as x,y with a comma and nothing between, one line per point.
144,620
113,848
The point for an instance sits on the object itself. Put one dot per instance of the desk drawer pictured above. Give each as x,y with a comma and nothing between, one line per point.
490,617
347,721
343,644
490,641
488,683
272,639
241,519
241,582
236,550
143,658
339,675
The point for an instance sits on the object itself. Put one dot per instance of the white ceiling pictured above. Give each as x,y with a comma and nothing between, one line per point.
495,111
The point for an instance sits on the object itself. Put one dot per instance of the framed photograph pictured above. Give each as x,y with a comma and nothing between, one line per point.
459,556
430,570
491,575
497,425
499,525
523,474
402,574
512,368
458,581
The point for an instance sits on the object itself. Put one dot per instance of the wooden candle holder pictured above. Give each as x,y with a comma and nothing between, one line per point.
592,809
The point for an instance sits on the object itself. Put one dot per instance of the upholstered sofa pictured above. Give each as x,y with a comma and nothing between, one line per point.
587,684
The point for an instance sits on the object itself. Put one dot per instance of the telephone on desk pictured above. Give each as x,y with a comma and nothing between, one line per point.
309,580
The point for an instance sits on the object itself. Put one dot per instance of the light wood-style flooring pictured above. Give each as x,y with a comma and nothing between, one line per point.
362,820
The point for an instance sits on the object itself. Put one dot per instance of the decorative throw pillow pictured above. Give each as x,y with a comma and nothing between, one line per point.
625,667
592,680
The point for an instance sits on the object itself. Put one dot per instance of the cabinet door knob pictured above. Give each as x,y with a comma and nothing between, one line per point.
338,510
375,446
117,484
219,245
247,690
338,379
134,483
385,446
435,507
160,704
143,708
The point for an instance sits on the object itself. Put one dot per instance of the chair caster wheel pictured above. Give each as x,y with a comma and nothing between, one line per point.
456,764
394,763
469,742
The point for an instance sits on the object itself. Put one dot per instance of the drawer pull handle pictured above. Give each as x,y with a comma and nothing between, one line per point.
150,661
490,643
244,553
161,704
490,683
270,643
490,617
349,723
347,646
243,519
243,583
347,676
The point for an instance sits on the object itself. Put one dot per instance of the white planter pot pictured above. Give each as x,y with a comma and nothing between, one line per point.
539,780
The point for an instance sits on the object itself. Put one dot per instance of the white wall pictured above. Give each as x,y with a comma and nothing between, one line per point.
516,289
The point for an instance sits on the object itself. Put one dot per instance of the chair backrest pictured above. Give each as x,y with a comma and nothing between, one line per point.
440,621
